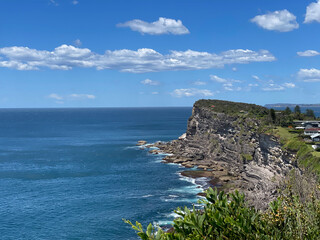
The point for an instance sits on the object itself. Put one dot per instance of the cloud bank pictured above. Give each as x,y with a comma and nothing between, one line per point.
66,57
282,21
162,26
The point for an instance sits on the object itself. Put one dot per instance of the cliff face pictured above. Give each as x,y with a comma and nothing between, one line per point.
230,147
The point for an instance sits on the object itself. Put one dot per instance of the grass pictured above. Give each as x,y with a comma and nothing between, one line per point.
285,134
307,157
316,154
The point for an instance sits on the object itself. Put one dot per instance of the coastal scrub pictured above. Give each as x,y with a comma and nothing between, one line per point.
227,216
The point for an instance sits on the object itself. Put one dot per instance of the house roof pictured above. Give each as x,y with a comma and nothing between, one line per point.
315,135
312,129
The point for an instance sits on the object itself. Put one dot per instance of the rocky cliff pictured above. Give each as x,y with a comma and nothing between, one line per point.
225,139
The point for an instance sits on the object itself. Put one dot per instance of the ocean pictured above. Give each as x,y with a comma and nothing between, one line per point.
75,173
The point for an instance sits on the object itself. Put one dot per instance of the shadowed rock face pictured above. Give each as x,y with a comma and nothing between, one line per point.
232,149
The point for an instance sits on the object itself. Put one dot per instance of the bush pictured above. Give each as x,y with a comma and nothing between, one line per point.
227,216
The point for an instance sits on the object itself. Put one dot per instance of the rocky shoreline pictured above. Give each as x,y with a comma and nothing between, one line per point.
215,174
229,150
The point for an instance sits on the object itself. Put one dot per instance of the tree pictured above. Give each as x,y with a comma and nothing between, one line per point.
273,115
297,110
287,111
310,113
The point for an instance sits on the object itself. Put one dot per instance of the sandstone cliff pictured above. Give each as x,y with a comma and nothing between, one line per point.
226,140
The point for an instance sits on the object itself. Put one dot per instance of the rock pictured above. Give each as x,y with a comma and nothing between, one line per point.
155,151
183,136
141,142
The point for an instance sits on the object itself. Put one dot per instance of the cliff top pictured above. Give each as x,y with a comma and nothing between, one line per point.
233,108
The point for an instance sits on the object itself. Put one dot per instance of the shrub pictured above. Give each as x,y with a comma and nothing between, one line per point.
227,216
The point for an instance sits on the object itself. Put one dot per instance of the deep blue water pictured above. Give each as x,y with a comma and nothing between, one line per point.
75,173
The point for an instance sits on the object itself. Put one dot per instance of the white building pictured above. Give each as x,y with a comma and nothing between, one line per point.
311,131
315,137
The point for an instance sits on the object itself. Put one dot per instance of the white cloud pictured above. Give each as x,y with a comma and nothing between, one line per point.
309,75
308,53
215,78
76,96
155,93
77,42
273,87
55,96
227,84
162,26
253,85
289,85
255,77
230,87
66,57
218,79
276,87
282,21
191,92
150,82
75,2
199,83
313,12
234,69
73,96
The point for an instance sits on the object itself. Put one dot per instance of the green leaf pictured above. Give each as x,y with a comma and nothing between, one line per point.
149,230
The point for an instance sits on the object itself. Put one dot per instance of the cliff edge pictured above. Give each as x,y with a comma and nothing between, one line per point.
227,141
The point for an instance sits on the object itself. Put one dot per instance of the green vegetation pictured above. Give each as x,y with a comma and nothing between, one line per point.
227,216
297,109
233,108
246,157
310,114
307,157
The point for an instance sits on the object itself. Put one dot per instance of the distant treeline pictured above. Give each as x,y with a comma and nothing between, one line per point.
290,105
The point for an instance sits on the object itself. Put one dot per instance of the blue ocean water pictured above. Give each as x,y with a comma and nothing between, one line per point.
75,173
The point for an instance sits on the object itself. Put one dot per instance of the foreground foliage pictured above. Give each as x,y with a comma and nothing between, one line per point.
227,216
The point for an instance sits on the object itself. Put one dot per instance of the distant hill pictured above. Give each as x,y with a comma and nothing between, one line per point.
291,105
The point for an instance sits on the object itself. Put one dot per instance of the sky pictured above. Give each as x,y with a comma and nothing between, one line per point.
148,53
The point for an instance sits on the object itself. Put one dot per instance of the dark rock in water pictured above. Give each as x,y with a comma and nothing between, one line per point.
227,141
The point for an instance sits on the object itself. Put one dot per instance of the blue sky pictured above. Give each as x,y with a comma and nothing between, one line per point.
134,53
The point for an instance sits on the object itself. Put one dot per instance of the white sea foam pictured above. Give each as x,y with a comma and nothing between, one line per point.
146,196
187,189
178,200
173,215
173,196
176,164
132,147
162,223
